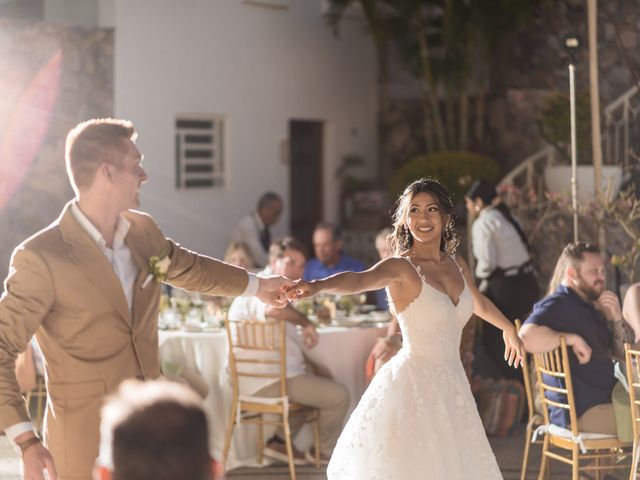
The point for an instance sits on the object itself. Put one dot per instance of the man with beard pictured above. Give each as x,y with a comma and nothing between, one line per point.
590,319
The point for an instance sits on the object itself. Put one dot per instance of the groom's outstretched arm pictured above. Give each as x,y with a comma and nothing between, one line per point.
200,273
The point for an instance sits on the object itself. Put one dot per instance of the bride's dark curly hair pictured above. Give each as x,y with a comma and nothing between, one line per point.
400,240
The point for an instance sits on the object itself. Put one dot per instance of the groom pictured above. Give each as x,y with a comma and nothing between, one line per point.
88,287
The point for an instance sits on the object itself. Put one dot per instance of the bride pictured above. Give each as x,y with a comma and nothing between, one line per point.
418,418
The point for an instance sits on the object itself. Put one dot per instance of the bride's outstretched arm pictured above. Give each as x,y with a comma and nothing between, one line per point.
387,272
485,309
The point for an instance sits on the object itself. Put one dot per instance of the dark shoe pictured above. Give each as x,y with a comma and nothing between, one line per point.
310,455
278,451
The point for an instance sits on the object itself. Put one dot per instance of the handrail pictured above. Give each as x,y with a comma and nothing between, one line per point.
621,120
546,156
620,100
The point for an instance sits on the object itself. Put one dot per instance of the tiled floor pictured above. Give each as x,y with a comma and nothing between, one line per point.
508,452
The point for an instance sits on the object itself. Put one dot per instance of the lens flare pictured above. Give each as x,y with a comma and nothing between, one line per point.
27,127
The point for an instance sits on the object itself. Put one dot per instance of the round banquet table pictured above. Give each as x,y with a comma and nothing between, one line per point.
341,350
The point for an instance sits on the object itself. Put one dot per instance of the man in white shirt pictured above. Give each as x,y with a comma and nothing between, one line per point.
254,229
88,287
287,258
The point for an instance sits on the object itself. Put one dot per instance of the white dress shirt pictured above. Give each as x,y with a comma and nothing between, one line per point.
249,230
496,243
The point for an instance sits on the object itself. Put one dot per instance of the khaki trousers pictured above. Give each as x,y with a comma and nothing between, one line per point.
332,398
598,419
601,419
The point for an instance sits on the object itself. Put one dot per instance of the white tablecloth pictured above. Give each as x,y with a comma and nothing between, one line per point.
343,351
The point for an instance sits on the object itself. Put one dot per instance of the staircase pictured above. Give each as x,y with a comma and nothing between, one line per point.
620,139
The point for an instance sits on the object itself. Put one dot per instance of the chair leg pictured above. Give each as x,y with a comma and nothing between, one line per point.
575,463
317,440
525,455
260,440
598,471
544,459
287,440
634,453
229,433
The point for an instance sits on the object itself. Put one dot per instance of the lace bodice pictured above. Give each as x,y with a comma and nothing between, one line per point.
432,324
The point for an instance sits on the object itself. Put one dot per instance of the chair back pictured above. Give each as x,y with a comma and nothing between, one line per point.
555,365
257,349
632,358
526,374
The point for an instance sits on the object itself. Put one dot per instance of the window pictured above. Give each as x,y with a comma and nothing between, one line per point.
199,151
352,11
270,3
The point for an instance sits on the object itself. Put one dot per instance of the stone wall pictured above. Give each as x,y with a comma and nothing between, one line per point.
525,70
528,69
52,78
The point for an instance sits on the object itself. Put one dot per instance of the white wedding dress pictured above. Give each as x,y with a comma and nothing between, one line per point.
418,418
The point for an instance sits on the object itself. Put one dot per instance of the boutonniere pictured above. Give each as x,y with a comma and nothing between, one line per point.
158,268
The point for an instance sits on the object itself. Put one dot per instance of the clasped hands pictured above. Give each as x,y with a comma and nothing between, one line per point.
279,291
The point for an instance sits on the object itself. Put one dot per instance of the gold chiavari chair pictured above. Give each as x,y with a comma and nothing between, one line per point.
257,349
632,357
535,418
580,445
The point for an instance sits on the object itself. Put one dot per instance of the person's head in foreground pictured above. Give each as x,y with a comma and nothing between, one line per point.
424,213
154,430
580,267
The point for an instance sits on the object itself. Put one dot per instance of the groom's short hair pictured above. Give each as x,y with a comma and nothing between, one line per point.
92,143
155,430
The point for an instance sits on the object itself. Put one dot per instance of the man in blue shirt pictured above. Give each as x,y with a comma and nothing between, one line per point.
330,259
590,319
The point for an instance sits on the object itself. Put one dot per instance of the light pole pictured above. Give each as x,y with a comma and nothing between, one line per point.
571,44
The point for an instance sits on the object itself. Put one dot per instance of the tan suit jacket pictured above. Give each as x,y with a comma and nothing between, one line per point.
62,288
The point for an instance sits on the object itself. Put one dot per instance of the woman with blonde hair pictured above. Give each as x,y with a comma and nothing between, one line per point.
238,254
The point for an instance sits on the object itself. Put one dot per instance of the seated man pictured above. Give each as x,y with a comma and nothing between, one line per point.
330,259
155,430
590,319
289,256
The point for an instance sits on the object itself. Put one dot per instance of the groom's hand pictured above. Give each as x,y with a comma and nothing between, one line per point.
35,459
273,290
302,289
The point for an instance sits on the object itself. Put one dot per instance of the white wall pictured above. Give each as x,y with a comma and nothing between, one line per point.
258,66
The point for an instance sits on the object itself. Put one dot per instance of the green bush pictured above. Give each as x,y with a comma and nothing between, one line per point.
455,170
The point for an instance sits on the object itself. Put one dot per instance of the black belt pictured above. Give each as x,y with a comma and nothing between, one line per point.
523,269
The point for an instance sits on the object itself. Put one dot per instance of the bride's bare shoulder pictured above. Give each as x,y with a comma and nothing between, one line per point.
401,265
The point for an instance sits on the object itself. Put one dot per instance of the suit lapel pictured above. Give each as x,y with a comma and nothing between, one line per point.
95,265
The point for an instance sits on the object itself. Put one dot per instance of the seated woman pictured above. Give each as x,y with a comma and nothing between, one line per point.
238,254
